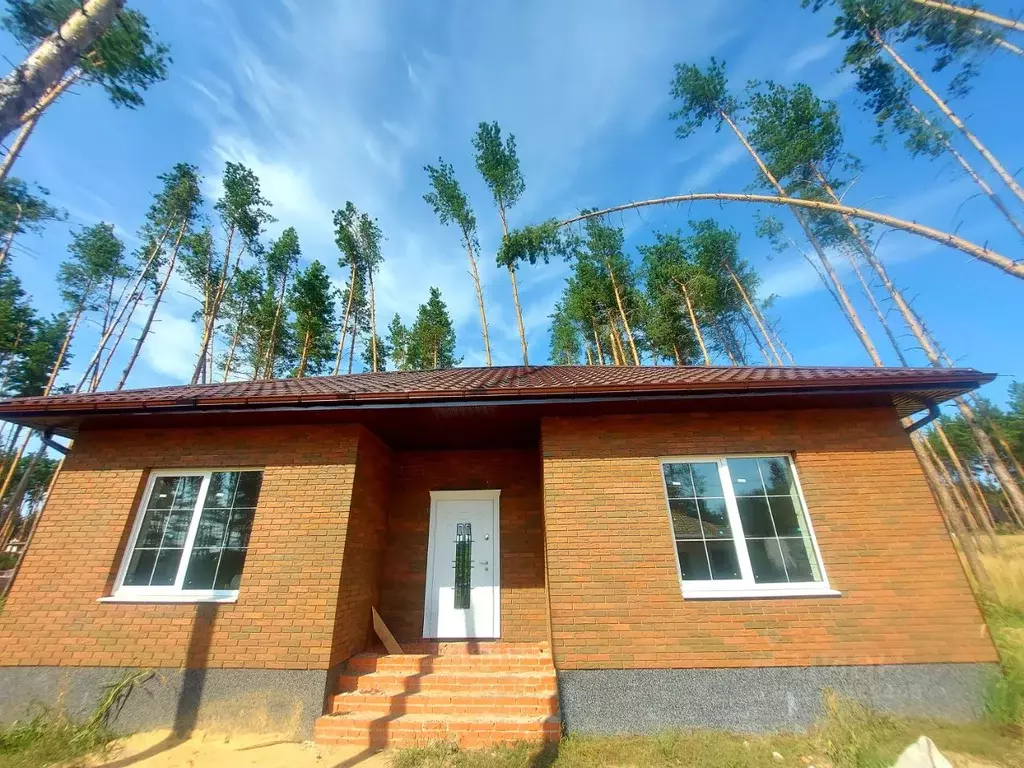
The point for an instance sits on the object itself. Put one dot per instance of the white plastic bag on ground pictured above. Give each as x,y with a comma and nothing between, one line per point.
922,754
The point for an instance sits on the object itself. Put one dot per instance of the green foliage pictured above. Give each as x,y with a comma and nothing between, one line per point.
175,208
450,203
383,353
397,344
432,338
97,260
42,468
704,95
24,211
499,165
124,61
51,737
566,347
311,299
537,242
242,207
32,364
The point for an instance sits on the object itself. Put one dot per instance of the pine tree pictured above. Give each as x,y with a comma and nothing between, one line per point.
566,345
123,58
311,299
397,344
280,261
498,163
358,238
604,246
432,338
23,211
451,205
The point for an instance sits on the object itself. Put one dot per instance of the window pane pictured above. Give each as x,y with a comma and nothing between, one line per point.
222,490
715,518
693,561
202,569
677,481
787,517
766,561
724,562
706,481
211,529
229,575
176,528
746,480
248,490
166,568
463,564
240,528
140,568
685,518
778,479
152,531
170,499
754,514
801,563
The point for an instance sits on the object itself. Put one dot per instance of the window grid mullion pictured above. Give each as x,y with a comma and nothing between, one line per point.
193,528
700,523
739,538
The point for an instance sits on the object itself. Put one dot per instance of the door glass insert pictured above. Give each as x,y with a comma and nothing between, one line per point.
463,564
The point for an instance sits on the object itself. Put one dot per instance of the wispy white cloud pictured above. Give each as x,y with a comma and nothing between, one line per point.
713,168
807,56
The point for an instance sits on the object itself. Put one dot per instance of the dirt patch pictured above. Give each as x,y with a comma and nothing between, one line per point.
160,749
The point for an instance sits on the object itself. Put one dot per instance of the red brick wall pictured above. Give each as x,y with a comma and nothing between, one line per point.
517,475
363,556
285,614
614,589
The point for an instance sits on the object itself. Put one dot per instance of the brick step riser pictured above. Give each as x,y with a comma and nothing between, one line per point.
385,709
472,664
381,681
467,737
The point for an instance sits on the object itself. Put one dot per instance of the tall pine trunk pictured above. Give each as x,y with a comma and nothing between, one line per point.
304,356
373,321
622,313
693,322
878,310
213,309
597,340
268,367
973,13
344,323
480,300
152,310
30,119
826,263
1003,174
515,290
753,311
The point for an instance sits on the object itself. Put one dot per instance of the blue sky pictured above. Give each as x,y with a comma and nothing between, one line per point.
330,101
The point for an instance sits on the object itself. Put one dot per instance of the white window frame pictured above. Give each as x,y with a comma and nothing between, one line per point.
172,593
744,586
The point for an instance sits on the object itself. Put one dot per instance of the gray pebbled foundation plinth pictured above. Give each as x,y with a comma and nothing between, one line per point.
634,701
281,702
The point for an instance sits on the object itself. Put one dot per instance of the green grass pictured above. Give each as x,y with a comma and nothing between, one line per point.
849,736
50,738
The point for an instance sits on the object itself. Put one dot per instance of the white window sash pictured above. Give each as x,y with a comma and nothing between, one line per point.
175,592
745,586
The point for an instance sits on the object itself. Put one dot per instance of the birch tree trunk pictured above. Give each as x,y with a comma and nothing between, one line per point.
1005,175
152,310
46,66
30,119
480,300
694,323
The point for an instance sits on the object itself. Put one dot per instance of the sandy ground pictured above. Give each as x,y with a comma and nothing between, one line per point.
158,749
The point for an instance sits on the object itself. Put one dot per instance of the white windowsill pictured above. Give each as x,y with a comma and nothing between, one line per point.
213,597
727,594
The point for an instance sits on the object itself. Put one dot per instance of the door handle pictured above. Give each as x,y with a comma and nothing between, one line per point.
484,562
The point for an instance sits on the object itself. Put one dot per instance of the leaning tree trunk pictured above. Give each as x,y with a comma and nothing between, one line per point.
304,356
152,310
753,334
969,170
622,313
878,310
373,321
973,13
344,322
46,66
31,118
694,323
826,263
976,499
1003,174
17,497
10,235
352,349
268,366
480,300
597,341
750,306
980,252
214,309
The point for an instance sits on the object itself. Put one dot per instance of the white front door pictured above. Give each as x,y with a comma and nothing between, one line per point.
463,576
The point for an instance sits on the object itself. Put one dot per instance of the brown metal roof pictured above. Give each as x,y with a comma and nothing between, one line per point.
912,388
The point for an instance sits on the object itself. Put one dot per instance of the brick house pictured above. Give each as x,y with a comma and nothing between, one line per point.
595,548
